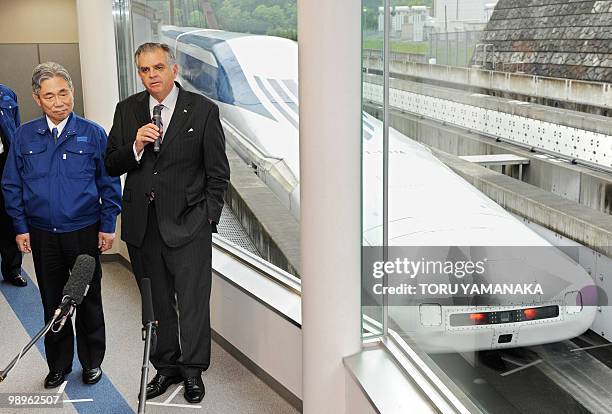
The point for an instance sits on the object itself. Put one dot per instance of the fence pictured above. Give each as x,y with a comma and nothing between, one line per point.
454,48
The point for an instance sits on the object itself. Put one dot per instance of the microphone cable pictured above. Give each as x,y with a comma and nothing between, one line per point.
62,321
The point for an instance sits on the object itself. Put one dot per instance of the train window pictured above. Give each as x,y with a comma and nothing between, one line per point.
224,88
202,76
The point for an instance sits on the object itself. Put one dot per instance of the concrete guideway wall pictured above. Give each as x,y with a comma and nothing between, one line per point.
535,126
597,94
579,223
579,184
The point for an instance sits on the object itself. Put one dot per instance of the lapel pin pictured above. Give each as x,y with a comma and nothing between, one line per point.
184,110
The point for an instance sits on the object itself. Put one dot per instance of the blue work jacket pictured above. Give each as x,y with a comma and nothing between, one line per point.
9,112
64,187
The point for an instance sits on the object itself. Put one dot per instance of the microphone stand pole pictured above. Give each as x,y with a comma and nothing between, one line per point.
26,348
148,333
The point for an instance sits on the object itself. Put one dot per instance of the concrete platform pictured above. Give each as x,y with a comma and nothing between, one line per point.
269,224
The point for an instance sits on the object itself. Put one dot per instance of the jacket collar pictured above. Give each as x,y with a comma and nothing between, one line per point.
180,115
70,129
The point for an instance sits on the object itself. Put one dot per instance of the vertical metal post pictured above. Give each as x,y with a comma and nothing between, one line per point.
457,43
435,42
446,31
385,215
467,56
122,16
171,5
144,374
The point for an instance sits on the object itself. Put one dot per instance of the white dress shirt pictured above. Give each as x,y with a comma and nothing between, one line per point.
60,127
166,114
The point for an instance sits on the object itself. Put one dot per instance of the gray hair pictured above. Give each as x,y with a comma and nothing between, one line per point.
49,70
153,46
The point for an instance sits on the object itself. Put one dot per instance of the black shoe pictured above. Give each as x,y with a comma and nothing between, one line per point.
194,389
17,280
55,378
159,384
92,376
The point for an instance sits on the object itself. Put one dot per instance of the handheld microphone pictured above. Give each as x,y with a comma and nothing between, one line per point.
157,120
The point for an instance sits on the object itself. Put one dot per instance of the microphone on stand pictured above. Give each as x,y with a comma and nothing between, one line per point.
157,120
149,327
77,285
74,291
148,317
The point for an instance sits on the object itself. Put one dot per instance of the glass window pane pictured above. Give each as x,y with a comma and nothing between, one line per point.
372,164
243,56
495,294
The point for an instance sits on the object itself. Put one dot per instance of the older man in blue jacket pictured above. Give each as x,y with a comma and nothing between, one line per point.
11,256
63,203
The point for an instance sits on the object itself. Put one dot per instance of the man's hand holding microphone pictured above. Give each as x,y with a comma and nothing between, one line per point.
146,134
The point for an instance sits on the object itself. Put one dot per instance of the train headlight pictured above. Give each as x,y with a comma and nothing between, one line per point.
530,314
573,302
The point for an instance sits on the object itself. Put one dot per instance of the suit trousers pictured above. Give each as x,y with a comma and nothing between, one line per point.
180,286
54,255
11,256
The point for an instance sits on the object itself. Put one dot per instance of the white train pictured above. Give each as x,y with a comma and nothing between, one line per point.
253,79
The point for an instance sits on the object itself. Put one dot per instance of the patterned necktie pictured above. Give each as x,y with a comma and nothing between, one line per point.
54,133
161,122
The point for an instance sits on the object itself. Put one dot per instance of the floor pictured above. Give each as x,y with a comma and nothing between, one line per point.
230,387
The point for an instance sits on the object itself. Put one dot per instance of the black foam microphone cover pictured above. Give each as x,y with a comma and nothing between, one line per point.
147,301
80,277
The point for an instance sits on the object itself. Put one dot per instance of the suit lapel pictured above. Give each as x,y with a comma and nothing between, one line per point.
180,115
142,111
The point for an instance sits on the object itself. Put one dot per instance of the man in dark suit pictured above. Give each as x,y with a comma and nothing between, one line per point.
172,201
11,256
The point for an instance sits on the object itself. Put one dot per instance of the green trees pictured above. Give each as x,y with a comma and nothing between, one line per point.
271,17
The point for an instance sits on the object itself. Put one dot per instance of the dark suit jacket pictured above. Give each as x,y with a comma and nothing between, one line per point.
189,175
